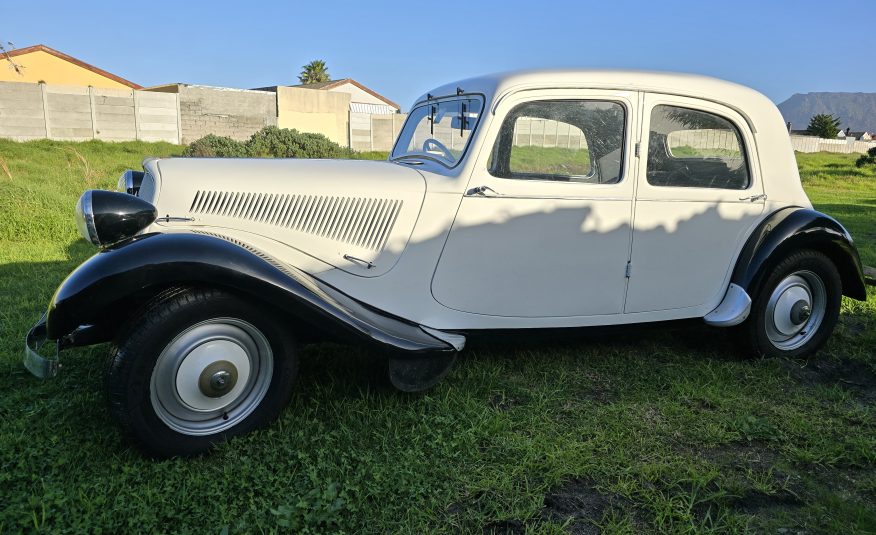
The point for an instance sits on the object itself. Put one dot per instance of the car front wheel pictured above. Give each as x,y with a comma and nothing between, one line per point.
196,369
796,309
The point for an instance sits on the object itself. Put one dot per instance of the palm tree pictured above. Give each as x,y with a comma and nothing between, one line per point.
314,72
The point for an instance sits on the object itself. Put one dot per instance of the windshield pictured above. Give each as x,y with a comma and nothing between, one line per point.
439,130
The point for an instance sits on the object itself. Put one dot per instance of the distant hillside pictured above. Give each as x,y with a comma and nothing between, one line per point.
856,110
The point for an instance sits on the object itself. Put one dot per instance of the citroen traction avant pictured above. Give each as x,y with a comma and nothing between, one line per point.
522,201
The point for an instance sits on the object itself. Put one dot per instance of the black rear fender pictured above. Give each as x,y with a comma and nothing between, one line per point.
791,229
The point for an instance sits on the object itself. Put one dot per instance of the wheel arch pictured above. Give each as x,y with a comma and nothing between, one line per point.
792,229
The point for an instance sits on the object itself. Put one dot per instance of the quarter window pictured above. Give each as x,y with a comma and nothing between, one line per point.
562,140
695,149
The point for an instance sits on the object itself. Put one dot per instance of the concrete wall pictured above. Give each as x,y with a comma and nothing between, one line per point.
313,110
236,113
817,144
181,113
375,132
76,113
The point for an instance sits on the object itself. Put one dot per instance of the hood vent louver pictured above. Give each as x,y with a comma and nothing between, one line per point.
364,222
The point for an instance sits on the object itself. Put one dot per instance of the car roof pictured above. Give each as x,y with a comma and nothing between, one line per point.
761,114
737,96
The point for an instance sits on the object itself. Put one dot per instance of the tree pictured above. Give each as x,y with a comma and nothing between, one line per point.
824,125
314,72
4,53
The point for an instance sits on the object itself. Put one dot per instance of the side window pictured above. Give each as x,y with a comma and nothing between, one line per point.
563,140
695,149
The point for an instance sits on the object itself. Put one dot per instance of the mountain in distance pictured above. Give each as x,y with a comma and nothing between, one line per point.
855,110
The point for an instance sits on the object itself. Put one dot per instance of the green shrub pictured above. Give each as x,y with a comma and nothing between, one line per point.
211,146
867,159
285,143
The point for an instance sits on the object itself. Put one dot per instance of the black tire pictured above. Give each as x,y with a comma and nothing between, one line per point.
129,375
753,336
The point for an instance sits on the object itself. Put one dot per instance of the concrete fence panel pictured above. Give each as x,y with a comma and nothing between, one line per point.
113,114
843,146
22,114
76,113
375,132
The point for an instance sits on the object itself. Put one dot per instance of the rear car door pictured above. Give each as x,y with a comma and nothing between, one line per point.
699,196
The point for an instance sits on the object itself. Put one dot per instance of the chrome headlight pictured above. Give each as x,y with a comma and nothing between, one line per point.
107,217
130,182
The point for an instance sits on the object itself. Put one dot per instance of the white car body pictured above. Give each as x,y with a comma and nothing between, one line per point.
528,253
656,197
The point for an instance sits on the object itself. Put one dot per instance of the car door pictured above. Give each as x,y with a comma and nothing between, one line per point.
544,228
699,195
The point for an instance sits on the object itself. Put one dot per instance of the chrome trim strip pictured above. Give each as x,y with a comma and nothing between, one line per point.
456,340
88,216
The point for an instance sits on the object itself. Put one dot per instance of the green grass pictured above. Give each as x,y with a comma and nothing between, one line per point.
663,430
846,192
550,161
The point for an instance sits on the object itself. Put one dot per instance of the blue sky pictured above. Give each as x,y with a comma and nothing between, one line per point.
401,49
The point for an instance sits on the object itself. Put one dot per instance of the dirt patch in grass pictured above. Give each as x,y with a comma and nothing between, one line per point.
580,501
754,502
851,375
505,527
741,454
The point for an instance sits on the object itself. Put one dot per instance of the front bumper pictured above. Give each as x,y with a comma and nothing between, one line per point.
37,364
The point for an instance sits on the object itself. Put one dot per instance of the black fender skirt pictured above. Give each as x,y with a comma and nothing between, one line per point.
791,229
93,294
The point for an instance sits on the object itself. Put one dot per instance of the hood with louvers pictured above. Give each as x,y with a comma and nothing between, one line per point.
354,215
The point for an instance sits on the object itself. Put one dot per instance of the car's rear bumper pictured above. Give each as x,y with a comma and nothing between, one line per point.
39,365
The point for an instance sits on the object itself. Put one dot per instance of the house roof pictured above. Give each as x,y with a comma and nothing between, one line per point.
71,59
337,83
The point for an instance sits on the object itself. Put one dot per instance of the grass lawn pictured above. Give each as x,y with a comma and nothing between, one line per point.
662,430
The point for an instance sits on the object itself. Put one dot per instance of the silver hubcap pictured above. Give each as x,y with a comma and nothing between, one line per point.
211,376
795,310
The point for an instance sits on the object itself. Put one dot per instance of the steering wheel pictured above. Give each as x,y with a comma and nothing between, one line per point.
445,152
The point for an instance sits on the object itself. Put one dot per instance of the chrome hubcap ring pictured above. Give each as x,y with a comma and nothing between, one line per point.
211,376
795,310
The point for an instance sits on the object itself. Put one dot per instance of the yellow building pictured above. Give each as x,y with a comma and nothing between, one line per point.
40,63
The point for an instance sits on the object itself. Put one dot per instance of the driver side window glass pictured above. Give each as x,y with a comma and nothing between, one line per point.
562,140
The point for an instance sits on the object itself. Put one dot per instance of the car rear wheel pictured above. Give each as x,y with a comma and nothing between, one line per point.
796,309
196,369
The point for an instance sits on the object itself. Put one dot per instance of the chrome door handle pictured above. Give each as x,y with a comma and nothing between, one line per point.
482,191
351,258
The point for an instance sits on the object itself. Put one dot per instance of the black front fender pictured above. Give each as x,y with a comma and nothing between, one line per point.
91,296
790,229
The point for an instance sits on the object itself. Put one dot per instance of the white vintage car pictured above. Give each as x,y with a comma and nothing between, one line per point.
532,200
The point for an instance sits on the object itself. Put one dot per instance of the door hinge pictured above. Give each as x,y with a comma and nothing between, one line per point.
638,149
628,270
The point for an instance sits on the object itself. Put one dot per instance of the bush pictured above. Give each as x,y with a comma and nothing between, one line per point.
269,142
284,143
211,146
867,159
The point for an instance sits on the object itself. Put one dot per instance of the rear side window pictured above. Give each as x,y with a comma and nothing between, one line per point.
695,149
561,140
